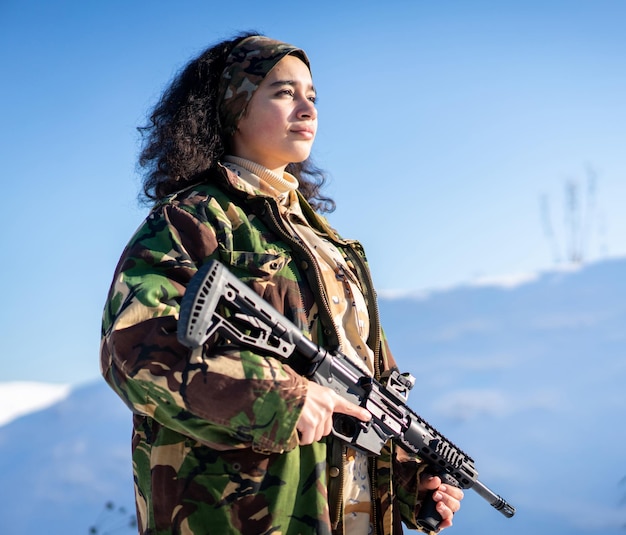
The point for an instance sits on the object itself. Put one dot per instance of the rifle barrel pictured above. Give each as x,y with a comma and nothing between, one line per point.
499,503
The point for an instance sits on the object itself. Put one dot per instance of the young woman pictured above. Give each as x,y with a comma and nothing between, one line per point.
232,441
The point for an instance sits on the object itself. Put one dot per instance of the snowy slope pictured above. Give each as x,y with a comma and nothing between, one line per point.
61,465
21,397
528,380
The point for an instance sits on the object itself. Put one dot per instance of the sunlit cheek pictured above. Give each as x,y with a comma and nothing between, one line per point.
269,123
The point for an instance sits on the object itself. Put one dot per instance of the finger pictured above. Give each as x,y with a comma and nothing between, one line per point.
451,503
345,407
319,434
444,524
328,426
305,437
307,429
429,482
453,492
445,512
311,433
451,496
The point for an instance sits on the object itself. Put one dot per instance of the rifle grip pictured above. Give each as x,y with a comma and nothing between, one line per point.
428,518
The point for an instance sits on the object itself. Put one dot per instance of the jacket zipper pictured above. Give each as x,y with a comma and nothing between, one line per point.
279,226
372,305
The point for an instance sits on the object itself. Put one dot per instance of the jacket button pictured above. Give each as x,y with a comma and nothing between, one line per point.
304,265
333,471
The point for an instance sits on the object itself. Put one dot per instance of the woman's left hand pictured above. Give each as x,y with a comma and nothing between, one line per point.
447,497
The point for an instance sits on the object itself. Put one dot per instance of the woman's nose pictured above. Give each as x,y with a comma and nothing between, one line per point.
307,109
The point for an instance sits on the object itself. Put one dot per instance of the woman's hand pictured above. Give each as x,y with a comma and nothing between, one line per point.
447,497
316,418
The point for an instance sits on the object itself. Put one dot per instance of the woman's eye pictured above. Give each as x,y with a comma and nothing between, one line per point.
288,92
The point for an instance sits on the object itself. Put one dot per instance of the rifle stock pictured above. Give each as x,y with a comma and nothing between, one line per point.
248,320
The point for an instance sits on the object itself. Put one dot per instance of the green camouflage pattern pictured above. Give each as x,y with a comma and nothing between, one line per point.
215,446
246,66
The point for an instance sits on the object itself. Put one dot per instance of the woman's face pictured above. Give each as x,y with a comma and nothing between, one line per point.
280,122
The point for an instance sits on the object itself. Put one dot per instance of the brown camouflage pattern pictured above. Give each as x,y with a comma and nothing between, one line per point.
215,447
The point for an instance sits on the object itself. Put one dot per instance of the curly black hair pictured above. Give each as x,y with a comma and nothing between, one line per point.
184,139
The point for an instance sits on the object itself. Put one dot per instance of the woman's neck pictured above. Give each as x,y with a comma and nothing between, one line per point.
282,184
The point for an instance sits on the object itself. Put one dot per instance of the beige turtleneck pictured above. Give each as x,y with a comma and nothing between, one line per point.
281,184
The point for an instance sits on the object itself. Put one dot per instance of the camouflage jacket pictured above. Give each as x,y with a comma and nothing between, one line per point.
215,447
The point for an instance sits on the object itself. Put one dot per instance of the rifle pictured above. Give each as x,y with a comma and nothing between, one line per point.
247,319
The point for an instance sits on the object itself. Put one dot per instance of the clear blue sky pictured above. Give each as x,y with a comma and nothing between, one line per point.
442,125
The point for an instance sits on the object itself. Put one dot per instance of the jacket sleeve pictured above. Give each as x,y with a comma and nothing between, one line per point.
224,400
407,470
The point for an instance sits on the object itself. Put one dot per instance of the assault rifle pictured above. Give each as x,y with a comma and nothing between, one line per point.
247,319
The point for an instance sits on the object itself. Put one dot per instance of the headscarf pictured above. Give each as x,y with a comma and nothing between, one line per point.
247,65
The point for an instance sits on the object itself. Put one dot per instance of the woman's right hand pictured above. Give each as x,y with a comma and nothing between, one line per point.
316,418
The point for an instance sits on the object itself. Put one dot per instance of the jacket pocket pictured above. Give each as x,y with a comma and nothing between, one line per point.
257,265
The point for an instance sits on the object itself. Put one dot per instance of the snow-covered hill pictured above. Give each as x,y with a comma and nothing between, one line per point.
21,397
62,467
529,380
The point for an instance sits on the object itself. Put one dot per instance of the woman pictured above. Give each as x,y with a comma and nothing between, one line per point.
232,441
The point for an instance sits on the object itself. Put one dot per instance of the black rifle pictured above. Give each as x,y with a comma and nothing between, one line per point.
248,320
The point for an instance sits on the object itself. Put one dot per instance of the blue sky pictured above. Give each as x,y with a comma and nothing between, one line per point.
442,125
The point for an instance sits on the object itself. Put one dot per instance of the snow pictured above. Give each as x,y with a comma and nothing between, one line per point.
21,397
61,465
529,380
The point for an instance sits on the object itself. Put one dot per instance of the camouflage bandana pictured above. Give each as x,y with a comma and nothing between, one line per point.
246,67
